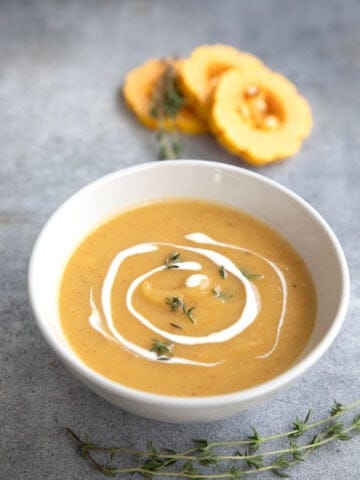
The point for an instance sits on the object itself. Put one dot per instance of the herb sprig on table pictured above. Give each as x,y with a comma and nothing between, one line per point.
213,460
166,103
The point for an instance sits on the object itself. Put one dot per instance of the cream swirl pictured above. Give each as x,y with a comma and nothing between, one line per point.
205,239
106,326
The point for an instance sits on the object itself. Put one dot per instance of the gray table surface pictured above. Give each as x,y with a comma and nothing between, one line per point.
61,126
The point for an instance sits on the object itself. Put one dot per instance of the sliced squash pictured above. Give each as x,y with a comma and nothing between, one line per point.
259,115
139,87
200,72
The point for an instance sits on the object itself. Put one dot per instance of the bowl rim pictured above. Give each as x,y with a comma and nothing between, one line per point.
70,358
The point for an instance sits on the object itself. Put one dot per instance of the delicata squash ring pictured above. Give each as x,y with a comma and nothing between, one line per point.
200,73
138,90
259,115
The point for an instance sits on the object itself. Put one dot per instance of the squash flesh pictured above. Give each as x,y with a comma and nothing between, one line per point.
260,137
200,73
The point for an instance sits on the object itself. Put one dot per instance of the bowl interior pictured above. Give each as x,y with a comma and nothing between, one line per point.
232,186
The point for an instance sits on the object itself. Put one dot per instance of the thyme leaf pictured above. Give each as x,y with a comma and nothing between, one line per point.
189,312
336,408
166,102
201,444
172,260
300,425
250,275
280,464
175,325
254,440
296,452
222,272
175,303
236,473
162,349
256,462
356,422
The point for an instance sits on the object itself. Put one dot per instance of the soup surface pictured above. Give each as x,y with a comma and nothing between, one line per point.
184,297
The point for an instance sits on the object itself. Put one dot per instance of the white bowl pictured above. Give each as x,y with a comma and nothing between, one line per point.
283,210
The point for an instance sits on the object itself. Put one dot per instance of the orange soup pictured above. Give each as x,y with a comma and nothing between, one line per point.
184,297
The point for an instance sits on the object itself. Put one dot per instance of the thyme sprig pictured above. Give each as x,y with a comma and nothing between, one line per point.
162,349
194,462
166,103
172,260
300,425
177,304
169,146
167,100
189,313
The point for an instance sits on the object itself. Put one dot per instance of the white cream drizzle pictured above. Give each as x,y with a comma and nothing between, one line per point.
202,238
105,326
95,319
248,315
197,280
106,306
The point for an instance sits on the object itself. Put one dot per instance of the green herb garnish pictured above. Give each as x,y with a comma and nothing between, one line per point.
175,303
189,313
222,272
218,293
162,349
336,408
167,100
300,425
175,325
256,461
251,276
172,260
169,148
194,461
166,103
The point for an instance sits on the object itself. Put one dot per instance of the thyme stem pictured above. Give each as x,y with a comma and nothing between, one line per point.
87,455
307,427
203,452
185,456
167,101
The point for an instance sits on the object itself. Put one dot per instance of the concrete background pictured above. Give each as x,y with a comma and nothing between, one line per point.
61,126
